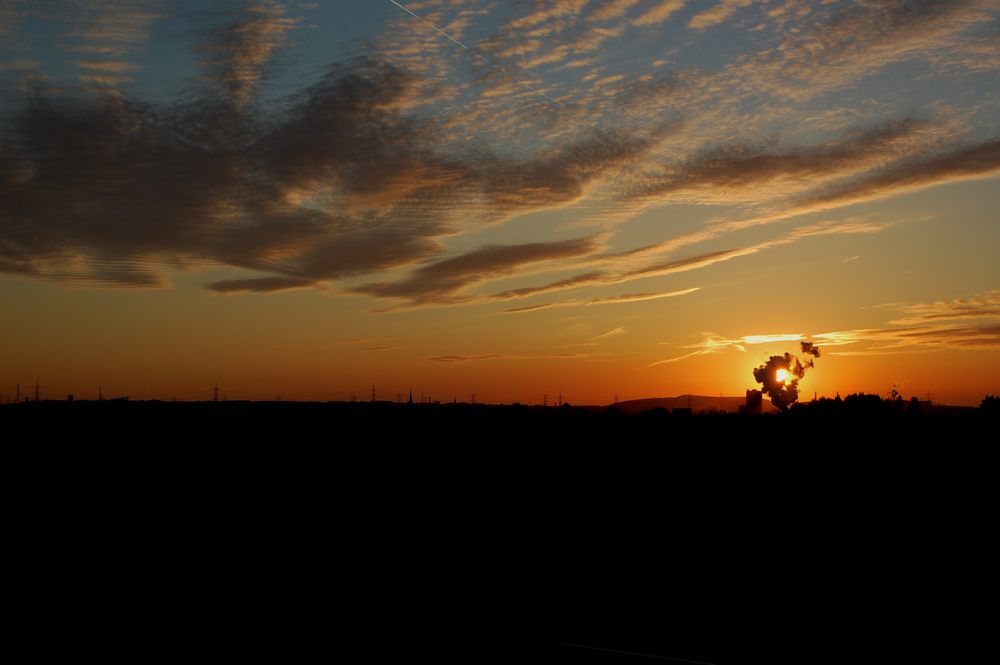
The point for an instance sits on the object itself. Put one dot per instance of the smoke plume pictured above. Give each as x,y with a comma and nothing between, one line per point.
784,393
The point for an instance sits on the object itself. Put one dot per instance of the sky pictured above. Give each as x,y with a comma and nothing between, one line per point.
595,198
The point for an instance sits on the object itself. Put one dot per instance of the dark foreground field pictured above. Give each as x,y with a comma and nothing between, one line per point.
384,533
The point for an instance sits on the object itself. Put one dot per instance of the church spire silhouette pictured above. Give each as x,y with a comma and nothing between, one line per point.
410,401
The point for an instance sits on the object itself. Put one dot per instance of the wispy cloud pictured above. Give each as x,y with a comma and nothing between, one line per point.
459,360
610,9
712,343
925,328
610,300
860,39
980,160
443,278
745,173
640,297
258,285
659,12
696,262
716,14
462,359
106,32
983,306
611,333
244,44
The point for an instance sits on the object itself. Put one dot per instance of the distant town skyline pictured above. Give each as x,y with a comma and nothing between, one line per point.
641,198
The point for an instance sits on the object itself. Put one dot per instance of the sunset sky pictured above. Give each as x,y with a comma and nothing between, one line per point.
509,198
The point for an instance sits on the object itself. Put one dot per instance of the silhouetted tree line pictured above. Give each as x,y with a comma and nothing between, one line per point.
512,424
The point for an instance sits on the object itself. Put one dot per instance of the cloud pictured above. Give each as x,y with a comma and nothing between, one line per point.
340,181
548,10
610,9
258,285
919,339
539,307
458,360
659,13
11,16
640,297
107,31
984,305
696,262
734,172
716,14
610,300
244,44
583,279
712,343
611,333
981,160
858,40
921,330
447,276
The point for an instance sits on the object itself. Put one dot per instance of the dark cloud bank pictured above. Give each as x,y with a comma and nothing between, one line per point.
108,189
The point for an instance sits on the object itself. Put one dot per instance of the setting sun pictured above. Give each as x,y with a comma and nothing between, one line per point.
783,375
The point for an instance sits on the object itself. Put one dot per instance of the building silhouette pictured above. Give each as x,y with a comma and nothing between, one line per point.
755,402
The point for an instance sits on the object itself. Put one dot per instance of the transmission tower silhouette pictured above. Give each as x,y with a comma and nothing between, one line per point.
37,392
215,392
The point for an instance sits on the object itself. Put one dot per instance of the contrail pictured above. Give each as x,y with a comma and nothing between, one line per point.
473,52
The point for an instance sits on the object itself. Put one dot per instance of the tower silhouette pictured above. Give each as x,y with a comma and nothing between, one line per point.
215,396
410,400
37,392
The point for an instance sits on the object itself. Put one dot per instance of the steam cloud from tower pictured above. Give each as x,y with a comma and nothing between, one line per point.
785,393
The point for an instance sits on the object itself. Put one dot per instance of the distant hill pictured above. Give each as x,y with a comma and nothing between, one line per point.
698,403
